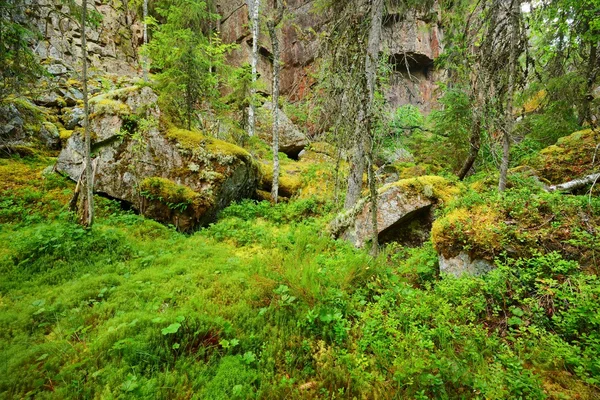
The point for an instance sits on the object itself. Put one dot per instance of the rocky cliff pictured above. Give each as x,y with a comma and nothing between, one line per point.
412,39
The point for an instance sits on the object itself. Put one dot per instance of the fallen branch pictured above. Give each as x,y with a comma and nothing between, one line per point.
575,184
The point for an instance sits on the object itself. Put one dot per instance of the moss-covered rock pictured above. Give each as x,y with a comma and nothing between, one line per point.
571,157
172,175
398,204
520,223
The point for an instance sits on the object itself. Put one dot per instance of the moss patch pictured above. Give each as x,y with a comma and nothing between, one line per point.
520,223
175,196
430,185
571,157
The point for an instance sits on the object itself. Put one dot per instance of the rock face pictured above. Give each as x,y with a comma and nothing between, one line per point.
178,177
413,40
291,140
24,124
463,264
112,45
398,204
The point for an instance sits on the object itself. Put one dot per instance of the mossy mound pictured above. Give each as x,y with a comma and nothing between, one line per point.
571,157
521,223
312,176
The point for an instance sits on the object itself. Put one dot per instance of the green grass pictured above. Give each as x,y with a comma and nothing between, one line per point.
263,304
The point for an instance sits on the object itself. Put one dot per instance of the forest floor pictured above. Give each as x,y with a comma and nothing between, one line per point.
263,304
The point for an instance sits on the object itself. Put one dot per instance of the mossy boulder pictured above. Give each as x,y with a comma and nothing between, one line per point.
172,175
398,205
571,157
291,139
312,176
520,223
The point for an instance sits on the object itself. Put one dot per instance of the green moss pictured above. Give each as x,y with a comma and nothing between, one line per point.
571,157
175,196
104,106
65,133
521,222
431,186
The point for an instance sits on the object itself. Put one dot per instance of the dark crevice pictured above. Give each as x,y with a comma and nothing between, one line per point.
412,230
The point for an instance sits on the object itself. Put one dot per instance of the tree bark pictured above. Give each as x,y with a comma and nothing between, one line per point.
475,144
253,8
145,58
87,212
586,115
575,184
371,65
515,9
272,25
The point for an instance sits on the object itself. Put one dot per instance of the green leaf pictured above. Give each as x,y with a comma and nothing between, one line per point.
173,328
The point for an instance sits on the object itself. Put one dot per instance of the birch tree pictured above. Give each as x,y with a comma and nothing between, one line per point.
145,34
87,210
272,24
253,10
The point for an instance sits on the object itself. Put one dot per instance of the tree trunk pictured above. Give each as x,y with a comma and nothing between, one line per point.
586,115
87,211
575,184
272,24
371,65
253,8
515,9
145,59
475,144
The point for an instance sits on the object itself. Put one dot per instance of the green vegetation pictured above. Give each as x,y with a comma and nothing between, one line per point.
262,304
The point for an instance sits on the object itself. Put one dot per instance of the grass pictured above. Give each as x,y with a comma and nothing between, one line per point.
262,304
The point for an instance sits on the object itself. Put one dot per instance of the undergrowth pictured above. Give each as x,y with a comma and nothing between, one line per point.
263,304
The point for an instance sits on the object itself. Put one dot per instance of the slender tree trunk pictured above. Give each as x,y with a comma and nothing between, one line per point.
272,24
371,65
253,8
87,215
475,144
586,114
357,165
145,58
515,9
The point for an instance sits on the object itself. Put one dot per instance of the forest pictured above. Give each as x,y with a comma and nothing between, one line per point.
300,199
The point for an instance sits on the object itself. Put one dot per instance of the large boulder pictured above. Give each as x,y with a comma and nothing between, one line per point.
398,205
172,175
291,140
462,263
572,157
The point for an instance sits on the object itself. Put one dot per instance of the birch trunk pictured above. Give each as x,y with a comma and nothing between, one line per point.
145,59
371,65
515,9
87,212
253,8
272,25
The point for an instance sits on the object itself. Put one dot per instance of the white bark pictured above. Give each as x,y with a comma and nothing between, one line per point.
272,24
87,213
253,9
145,58
371,65
575,184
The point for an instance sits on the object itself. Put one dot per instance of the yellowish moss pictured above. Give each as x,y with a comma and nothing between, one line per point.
535,102
174,195
191,140
104,106
474,230
290,181
430,185
571,157
65,133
